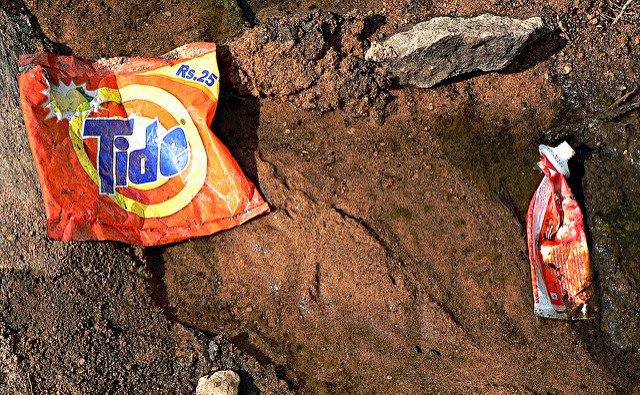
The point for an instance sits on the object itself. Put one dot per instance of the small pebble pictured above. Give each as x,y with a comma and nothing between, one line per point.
565,68
224,382
213,350
167,13
562,26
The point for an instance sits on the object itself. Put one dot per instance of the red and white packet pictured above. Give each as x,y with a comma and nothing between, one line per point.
558,250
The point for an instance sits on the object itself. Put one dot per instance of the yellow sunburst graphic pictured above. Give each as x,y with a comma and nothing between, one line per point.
69,101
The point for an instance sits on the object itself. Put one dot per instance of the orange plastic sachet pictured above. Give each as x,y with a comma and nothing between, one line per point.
124,152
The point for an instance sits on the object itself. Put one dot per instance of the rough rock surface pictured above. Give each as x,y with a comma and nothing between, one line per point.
444,47
315,61
18,36
224,382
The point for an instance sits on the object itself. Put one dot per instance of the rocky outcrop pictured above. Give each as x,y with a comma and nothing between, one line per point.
314,61
18,35
444,47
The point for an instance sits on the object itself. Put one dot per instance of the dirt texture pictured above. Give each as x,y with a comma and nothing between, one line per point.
394,260
79,318
315,61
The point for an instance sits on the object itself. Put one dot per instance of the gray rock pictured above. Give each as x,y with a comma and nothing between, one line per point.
18,36
21,205
224,382
444,47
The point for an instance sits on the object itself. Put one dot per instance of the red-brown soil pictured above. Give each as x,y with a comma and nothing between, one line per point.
393,261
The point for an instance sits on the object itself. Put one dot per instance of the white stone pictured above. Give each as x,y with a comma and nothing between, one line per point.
445,47
223,382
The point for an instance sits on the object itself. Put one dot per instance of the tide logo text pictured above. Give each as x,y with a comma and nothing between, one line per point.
130,156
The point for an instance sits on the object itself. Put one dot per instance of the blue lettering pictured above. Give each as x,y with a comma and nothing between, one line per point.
211,80
106,130
182,71
174,154
205,77
143,163
118,165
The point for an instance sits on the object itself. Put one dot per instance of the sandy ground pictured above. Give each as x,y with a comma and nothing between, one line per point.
393,261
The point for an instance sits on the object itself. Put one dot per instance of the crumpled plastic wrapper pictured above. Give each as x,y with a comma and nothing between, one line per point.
123,148
558,250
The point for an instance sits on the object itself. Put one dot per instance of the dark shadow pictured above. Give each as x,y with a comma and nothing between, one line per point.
538,49
229,73
247,386
19,7
236,125
61,49
237,117
595,332
247,12
576,183
155,277
155,272
459,78
243,343
590,331
372,24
